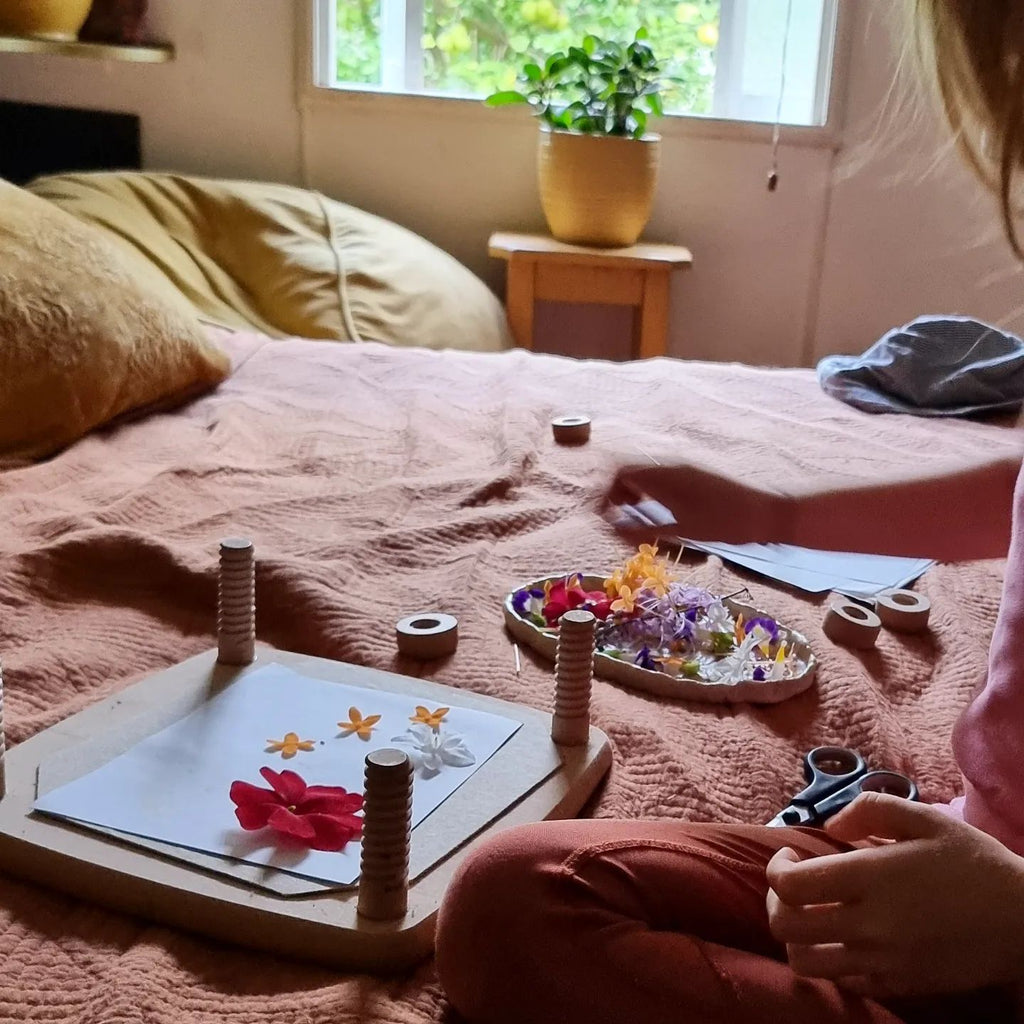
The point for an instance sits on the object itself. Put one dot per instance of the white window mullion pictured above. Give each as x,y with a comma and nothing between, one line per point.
826,59
732,33
325,31
401,34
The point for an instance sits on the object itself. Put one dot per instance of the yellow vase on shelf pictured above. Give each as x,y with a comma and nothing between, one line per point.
597,189
43,19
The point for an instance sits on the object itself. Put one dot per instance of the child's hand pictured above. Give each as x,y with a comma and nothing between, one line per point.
644,502
940,909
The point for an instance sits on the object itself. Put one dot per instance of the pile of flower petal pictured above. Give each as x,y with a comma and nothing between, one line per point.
658,623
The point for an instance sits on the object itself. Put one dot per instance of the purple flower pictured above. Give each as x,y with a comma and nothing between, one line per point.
521,597
684,631
644,659
759,674
770,626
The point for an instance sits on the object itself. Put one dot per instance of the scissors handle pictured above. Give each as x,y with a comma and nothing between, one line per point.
872,782
828,769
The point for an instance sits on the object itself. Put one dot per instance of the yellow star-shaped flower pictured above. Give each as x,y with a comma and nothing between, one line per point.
431,718
626,601
361,727
289,746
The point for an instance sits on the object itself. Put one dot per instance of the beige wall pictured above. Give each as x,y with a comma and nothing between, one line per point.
851,243
224,106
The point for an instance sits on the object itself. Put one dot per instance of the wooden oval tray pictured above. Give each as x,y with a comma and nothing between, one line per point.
633,676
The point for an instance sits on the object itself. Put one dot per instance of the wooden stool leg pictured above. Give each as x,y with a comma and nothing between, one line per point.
236,603
387,826
574,670
519,300
651,325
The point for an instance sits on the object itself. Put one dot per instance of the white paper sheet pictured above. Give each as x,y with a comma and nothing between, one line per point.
846,572
174,785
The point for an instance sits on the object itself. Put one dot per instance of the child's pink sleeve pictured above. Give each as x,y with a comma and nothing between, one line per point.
988,740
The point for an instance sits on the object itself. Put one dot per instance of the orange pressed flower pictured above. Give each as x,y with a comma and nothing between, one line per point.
289,746
656,580
626,601
612,584
356,724
738,629
431,718
644,571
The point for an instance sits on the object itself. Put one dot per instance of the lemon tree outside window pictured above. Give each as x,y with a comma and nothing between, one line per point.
726,56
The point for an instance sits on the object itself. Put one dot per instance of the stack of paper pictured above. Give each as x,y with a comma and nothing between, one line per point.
848,573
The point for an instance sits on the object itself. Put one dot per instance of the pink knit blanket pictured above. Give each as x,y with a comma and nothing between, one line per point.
376,482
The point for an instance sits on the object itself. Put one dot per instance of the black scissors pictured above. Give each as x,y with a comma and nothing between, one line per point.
837,775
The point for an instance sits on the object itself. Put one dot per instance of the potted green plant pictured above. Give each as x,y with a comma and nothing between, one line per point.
597,163
44,19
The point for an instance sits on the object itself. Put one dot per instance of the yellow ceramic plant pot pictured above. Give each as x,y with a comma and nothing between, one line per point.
597,189
44,19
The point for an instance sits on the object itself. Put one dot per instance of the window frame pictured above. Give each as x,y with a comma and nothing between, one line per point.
315,44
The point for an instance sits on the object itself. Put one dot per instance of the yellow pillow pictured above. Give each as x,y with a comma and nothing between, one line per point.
284,260
82,337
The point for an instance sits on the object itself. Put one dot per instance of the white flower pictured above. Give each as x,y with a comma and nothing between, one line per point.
715,618
735,667
432,750
718,618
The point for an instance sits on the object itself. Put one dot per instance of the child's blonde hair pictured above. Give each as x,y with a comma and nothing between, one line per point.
975,51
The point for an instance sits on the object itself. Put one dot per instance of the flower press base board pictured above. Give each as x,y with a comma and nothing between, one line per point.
529,779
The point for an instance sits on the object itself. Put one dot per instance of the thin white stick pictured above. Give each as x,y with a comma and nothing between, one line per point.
519,664
647,455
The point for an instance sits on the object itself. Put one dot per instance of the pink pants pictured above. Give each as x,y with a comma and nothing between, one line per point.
626,922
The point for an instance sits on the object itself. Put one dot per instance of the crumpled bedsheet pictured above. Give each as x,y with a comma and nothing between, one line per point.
376,482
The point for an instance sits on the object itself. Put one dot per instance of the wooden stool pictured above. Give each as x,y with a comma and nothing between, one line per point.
541,268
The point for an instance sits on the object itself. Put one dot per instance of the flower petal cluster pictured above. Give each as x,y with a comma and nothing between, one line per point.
663,625
430,750
320,817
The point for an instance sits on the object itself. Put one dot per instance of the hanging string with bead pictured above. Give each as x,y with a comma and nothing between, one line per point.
773,174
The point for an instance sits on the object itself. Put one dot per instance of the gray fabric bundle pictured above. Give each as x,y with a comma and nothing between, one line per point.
933,366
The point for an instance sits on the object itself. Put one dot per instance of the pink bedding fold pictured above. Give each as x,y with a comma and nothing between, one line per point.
378,482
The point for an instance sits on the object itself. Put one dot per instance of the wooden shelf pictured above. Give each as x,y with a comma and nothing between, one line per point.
149,53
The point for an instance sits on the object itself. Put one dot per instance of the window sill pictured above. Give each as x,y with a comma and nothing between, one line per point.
468,111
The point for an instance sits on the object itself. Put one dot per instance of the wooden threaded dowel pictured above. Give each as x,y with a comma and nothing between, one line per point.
236,603
574,670
3,740
387,826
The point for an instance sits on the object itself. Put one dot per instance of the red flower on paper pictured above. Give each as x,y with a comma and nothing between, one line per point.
320,817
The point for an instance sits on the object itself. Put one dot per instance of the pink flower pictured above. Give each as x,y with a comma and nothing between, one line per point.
320,817
563,597
599,604
560,597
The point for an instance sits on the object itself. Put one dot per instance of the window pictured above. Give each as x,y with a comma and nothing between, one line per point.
727,55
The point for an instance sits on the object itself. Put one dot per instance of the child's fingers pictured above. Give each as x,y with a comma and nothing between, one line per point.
644,520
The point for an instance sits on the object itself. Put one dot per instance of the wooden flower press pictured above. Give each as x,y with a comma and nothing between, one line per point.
386,922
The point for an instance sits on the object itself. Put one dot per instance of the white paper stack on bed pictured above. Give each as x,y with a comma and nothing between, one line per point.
846,572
